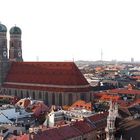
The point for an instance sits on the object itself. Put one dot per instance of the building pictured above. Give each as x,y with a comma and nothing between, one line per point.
90,128
55,118
58,83
110,129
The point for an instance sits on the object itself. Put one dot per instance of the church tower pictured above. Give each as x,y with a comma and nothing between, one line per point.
110,129
3,53
15,50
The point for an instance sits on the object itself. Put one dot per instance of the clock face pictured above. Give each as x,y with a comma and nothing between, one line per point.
4,53
19,54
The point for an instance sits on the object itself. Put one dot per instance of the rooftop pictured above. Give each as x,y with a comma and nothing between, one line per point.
51,76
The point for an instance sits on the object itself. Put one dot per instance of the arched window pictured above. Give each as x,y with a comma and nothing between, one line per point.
60,99
21,94
53,99
40,95
15,92
82,96
46,98
70,99
33,95
9,92
27,94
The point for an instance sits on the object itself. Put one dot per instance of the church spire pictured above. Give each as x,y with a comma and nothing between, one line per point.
15,52
3,53
110,129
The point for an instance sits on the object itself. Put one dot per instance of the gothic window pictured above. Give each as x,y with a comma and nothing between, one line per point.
40,95
21,94
9,92
46,97
53,99
27,93
60,99
15,92
33,95
70,99
82,96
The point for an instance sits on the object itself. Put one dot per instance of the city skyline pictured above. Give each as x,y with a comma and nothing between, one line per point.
79,30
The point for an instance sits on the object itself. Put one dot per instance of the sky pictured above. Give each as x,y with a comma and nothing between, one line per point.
67,30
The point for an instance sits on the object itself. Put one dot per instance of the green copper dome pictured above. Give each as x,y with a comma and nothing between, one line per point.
3,28
15,30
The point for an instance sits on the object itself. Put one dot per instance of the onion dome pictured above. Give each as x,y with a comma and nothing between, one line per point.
15,30
3,28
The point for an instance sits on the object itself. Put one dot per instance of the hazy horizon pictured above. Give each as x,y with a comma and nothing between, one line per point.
77,29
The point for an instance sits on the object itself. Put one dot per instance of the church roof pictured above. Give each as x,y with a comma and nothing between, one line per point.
15,30
3,28
51,76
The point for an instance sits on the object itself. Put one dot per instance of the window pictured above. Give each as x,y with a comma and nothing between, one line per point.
82,96
27,93
46,98
70,99
33,95
40,95
15,93
9,92
21,93
53,99
60,99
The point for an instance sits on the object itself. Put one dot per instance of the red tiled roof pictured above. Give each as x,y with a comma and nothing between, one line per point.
63,76
50,134
23,102
39,108
118,91
60,133
83,126
124,91
68,132
81,104
22,137
110,97
137,77
98,117
123,103
99,120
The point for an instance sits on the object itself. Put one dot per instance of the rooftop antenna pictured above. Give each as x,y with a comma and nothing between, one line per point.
73,59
